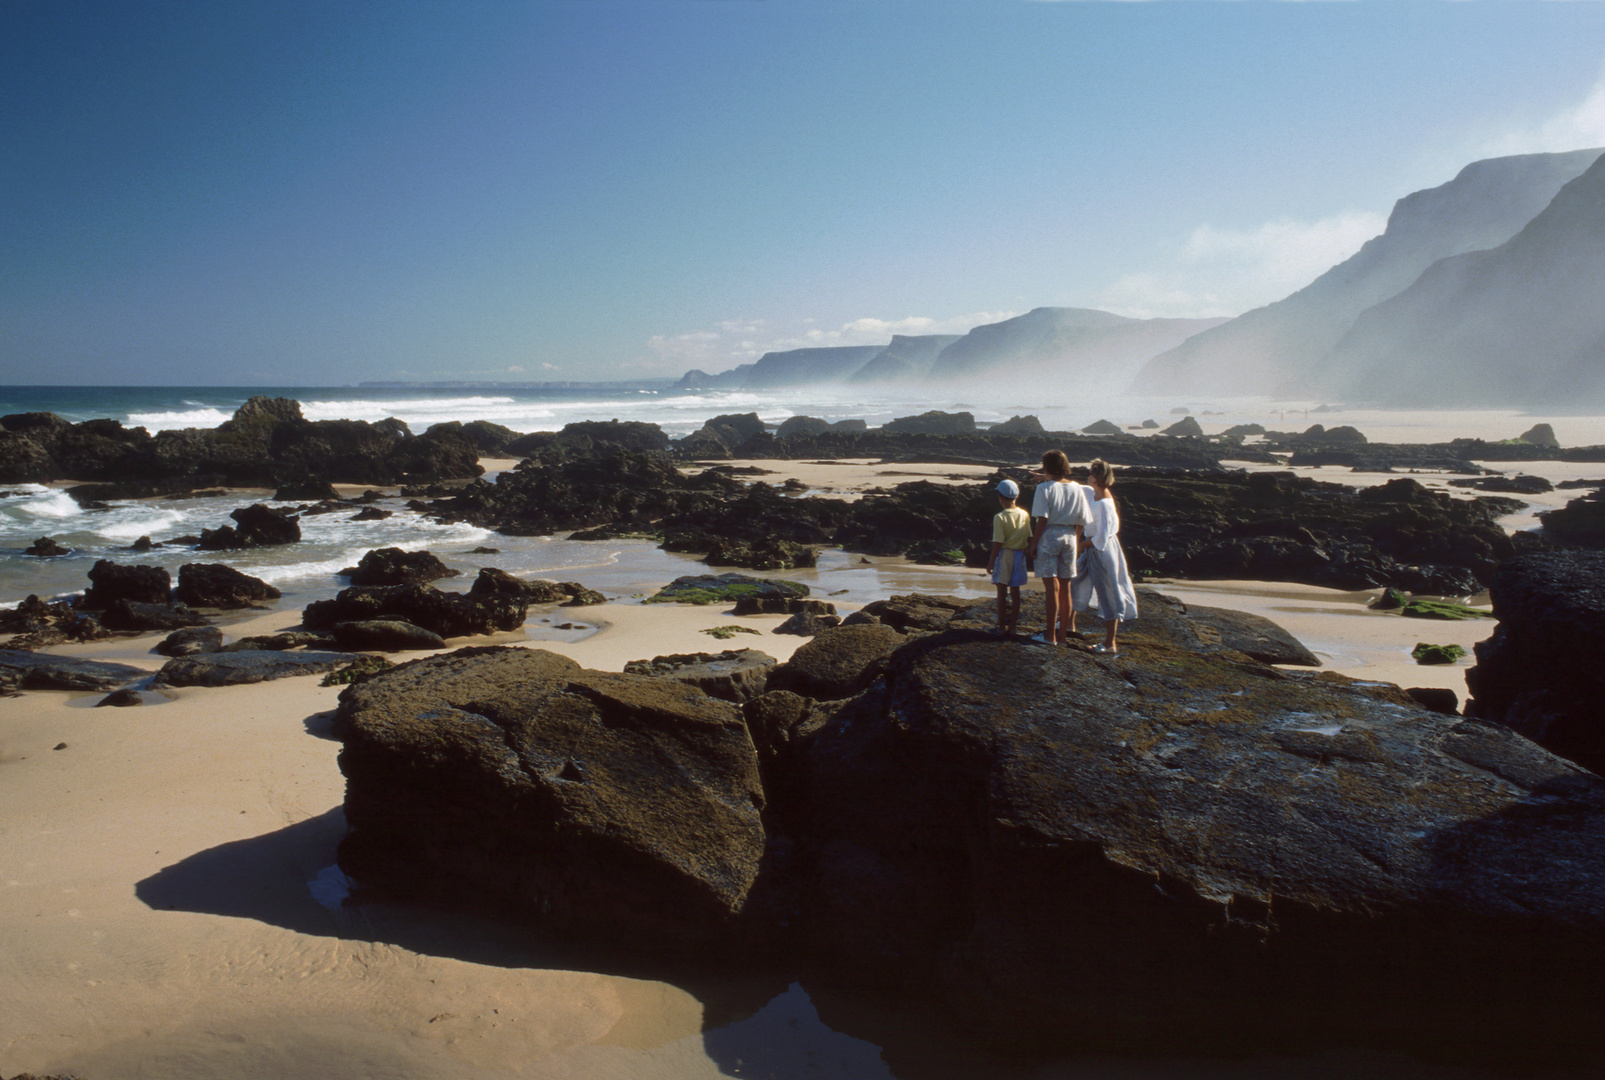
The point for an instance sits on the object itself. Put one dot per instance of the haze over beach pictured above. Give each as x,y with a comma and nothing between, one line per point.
559,302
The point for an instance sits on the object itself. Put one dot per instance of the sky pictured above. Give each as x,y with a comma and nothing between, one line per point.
323,193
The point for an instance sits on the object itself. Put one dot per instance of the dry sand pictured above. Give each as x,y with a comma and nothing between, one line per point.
161,870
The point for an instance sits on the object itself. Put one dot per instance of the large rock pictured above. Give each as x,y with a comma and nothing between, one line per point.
191,641
215,585
1541,672
393,566
1177,844
616,806
736,675
40,624
256,525
384,635
245,666
134,617
838,662
496,601
42,671
110,582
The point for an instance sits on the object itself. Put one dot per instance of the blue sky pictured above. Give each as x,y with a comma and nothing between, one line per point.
290,193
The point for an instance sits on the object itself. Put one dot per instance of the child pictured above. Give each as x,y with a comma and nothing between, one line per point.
1011,532
1103,570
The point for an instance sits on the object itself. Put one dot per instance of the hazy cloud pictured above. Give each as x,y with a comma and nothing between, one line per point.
741,341
1576,127
1227,271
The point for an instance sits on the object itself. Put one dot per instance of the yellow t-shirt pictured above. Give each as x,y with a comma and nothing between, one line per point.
1012,528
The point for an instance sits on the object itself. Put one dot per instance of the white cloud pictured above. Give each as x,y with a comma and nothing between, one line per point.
1227,271
741,341
1576,127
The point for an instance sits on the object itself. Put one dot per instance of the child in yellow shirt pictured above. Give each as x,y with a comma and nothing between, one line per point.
1011,534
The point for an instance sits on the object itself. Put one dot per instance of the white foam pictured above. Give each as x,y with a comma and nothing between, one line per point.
202,417
47,504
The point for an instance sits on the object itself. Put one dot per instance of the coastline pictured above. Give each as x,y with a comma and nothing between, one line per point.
168,903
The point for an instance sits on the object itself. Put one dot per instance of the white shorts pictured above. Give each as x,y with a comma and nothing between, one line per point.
1056,552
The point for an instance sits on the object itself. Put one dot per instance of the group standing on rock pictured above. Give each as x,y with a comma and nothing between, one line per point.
1072,538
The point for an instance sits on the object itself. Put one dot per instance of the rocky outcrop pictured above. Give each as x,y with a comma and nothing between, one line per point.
46,548
40,624
266,443
42,671
1176,845
1253,635
736,675
110,582
838,662
191,641
384,635
214,585
496,601
620,807
934,422
1540,672
256,525
1579,523
235,668
393,566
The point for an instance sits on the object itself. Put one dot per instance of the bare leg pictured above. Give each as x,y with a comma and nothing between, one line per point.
1067,613
1050,598
1109,627
1002,606
1014,609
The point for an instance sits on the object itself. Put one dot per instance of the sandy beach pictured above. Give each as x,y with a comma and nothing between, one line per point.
169,905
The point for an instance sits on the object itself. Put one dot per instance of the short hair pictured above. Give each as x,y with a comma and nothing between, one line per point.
1102,473
1054,463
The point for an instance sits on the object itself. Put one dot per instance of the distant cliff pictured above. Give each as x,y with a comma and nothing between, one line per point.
1283,347
1075,338
906,360
808,367
1522,323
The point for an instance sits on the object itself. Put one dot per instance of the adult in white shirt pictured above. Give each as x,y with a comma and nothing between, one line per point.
1059,510
1102,571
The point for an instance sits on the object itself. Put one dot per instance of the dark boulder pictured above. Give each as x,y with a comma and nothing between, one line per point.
245,666
256,526
919,611
46,548
215,585
289,639
1186,427
801,425
1175,846
1541,672
726,588
1101,427
110,582
616,807
121,699
736,675
393,566
838,662
1540,435
1024,427
808,623
769,553
306,490
39,624
934,422
42,671
384,635
1580,523
191,641
492,604
131,616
